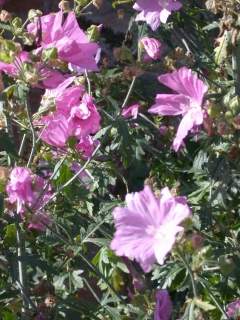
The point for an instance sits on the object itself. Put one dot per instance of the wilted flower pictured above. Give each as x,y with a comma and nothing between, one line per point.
131,112
186,102
152,47
71,42
25,190
154,12
233,309
146,228
164,306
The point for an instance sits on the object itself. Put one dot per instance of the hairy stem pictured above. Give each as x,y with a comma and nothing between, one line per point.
22,270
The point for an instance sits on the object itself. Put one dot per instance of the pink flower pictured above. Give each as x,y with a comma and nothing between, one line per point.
152,47
155,11
233,309
131,112
83,117
186,102
76,116
147,227
164,306
55,130
26,191
86,145
19,188
71,42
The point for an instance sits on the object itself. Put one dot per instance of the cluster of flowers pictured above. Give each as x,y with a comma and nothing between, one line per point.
73,112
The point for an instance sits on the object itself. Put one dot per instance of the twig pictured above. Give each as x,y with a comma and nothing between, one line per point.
33,133
21,268
129,92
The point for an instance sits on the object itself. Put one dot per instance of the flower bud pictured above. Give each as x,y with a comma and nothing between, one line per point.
5,16
4,173
152,46
93,32
97,3
32,14
197,241
64,6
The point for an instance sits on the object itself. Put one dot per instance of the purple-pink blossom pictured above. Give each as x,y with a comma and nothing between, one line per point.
86,146
152,47
163,308
131,111
71,42
155,12
187,101
146,228
75,115
233,309
55,130
25,191
19,188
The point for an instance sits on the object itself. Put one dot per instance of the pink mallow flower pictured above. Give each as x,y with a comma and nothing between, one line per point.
19,188
155,12
187,101
131,111
163,308
152,46
233,309
86,146
55,130
75,116
25,190
146,228
64,34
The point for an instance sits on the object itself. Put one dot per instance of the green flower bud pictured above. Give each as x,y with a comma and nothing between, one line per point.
32,14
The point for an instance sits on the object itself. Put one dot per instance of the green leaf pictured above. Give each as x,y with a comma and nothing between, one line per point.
204,305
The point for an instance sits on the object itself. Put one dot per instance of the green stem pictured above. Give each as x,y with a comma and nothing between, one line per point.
129,92
22,270
186,264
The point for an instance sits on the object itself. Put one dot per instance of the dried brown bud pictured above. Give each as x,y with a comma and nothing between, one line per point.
64,5
120,14
197,241
5,16
4,173
97,3
133,71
